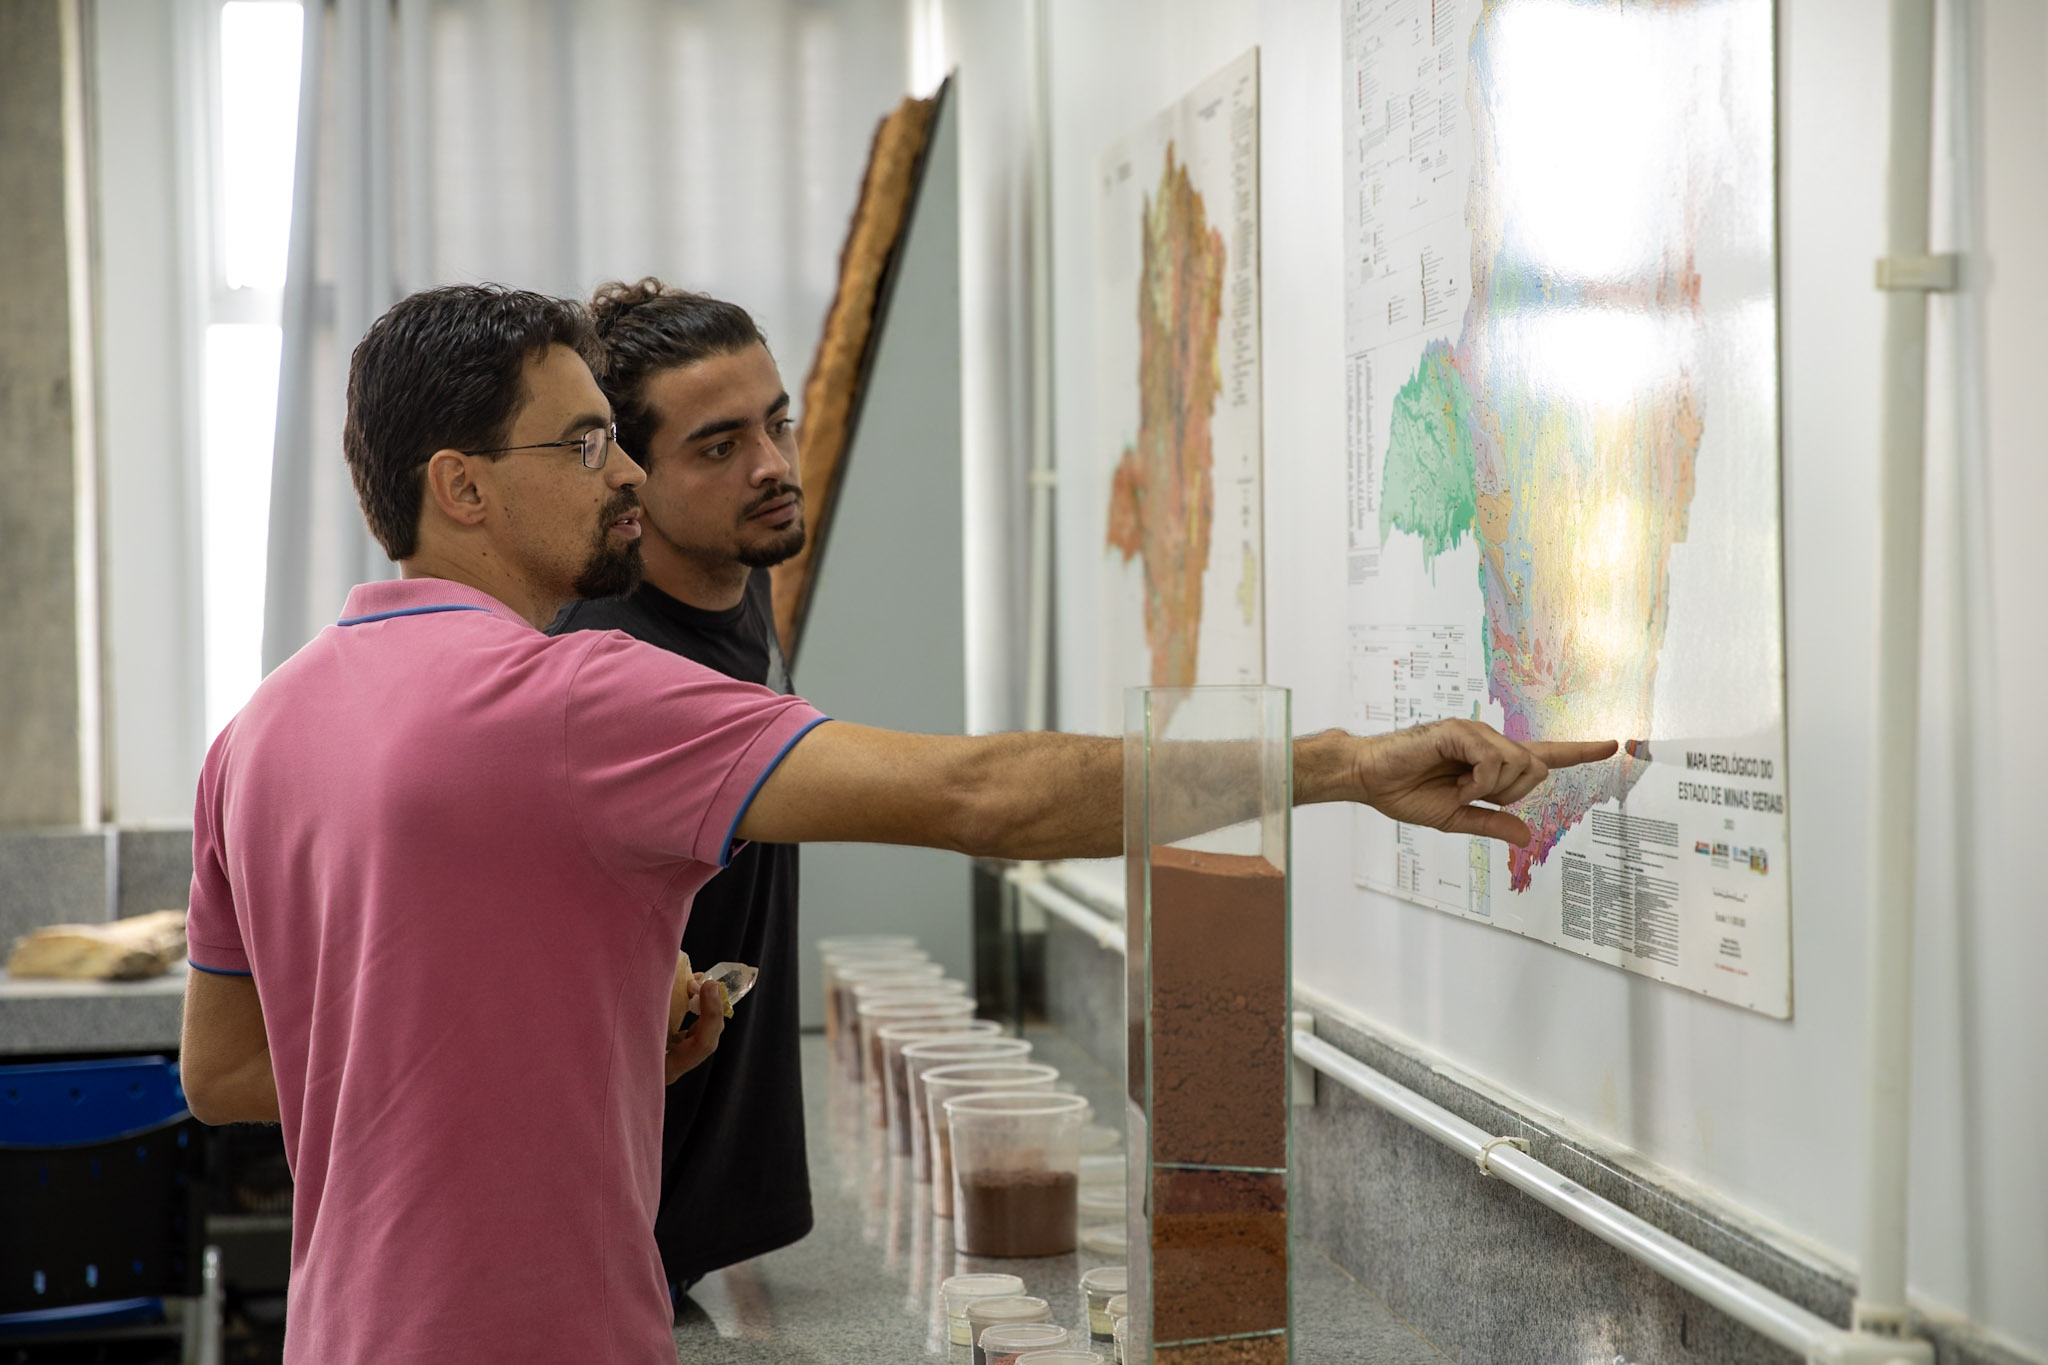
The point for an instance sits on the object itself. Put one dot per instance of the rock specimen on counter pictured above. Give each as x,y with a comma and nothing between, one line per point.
121,950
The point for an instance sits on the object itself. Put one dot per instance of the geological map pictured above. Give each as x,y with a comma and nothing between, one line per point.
1563,475
1177,337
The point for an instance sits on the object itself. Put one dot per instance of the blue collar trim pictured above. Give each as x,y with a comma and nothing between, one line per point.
406,611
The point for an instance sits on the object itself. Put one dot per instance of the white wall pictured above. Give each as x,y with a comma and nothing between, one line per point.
987,48
1762,1113
1979,1050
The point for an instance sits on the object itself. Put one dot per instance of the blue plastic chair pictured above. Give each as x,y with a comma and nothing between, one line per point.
101,1200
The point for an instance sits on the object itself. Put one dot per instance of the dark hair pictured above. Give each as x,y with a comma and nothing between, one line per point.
443,369
645,328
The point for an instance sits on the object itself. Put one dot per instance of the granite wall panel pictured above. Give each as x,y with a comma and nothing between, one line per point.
39,669
155,870
59,876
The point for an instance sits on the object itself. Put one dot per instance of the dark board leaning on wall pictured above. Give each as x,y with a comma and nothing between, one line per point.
837,382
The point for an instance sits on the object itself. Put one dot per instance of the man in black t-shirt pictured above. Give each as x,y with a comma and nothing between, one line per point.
700,404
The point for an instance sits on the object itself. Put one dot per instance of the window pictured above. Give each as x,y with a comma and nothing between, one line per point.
254,122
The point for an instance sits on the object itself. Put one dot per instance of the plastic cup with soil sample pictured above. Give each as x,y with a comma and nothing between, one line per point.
853,1041
845,975
832,962
894,988
1003,1311
840,949
1207,820
920,1057
942,1083
895,1093
1016,1166
877,1012
959,1292
870,984
891,1040
1002,1343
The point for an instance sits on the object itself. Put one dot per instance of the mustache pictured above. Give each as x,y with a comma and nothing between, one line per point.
622,502
771,495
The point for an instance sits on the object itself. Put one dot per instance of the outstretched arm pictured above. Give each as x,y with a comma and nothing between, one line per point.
1061,796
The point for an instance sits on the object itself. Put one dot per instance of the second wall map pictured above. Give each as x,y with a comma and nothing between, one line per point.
1177,362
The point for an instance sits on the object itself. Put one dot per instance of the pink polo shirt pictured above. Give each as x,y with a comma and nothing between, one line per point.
457,856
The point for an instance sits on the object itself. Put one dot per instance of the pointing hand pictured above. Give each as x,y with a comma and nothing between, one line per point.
1433,774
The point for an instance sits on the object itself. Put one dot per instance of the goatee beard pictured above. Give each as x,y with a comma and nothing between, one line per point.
613,570
769,555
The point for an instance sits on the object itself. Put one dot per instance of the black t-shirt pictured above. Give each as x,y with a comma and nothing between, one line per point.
732,1139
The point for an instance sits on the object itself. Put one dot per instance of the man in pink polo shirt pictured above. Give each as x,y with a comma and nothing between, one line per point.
442,861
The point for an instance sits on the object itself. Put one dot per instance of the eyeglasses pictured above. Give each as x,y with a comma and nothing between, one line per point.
595,443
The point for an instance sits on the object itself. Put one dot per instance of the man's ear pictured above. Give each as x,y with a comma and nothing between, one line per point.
453,489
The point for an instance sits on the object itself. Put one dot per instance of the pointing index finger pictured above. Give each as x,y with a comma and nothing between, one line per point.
1571,753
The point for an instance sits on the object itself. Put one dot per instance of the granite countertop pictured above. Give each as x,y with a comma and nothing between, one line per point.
41,1016
863,1286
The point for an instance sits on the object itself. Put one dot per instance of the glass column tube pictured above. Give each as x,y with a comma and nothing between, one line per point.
1208,802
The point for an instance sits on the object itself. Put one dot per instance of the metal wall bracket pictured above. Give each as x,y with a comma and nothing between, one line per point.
1486,1150
1861,1348
1304,1074
1935,274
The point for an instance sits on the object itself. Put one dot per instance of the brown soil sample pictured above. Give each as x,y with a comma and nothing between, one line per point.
1219,1254
1016,1213
1219,1009
1136,1078
1244,1351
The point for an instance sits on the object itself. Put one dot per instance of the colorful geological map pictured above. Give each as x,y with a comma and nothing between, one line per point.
1162,500
1561,457
1575,505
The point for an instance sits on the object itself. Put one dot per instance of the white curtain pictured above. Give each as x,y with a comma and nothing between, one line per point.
552,145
